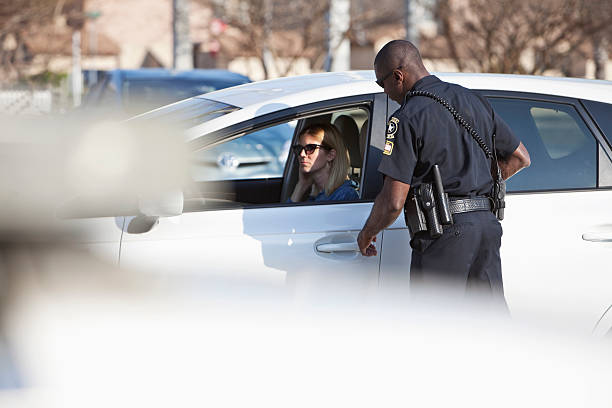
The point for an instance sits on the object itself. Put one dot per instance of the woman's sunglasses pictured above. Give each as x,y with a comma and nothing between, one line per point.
309,148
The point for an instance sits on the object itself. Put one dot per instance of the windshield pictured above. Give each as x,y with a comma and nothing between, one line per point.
141,95
187,113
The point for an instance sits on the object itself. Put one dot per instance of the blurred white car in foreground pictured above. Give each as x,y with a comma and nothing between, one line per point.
557,241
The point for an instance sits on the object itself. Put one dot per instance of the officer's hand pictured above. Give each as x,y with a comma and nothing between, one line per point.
366,245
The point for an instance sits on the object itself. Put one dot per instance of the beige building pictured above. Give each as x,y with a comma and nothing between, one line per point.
50,48
138,33
143,29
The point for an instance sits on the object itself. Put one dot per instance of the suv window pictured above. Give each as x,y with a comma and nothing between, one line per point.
563,150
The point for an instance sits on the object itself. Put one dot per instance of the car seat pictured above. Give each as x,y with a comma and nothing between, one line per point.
350,135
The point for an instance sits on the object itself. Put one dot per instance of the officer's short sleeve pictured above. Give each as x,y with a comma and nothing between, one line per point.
506,141
399,155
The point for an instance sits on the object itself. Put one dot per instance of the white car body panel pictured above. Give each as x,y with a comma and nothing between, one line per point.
102,236
267,246
604,325
293,91
548,267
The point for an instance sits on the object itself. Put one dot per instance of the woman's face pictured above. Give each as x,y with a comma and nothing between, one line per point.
317,160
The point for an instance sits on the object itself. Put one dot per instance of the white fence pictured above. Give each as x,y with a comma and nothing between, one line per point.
25,102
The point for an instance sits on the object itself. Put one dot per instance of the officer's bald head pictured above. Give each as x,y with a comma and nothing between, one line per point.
398,53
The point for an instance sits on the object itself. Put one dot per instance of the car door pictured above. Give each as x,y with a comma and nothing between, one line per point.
556,248
240,233
555,260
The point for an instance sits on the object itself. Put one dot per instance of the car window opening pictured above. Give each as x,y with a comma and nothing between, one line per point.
258,167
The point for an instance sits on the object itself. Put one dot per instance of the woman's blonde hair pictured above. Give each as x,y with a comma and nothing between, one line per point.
331,139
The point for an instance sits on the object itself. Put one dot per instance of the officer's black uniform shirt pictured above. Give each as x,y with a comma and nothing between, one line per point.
422,133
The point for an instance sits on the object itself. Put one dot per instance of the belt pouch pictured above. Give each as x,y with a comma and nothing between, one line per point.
414,216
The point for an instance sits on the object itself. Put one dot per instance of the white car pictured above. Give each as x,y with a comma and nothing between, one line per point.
557,243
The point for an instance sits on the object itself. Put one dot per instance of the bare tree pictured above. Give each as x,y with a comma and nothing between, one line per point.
288,30
269,30
17,17
520,36
599,35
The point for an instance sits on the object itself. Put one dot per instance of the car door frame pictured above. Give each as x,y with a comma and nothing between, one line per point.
371,179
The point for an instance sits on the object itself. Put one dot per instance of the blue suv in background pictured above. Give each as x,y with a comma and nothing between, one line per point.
122,93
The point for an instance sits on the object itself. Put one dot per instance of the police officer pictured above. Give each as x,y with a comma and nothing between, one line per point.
423,133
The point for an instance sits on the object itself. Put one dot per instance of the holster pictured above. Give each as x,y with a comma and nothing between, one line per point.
498,194
415,216
427,209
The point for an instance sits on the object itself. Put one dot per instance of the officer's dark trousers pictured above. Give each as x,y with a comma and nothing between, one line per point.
464,260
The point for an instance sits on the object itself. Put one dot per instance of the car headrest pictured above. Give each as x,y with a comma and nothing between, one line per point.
350,135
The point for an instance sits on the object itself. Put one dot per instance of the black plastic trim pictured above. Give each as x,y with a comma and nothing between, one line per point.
607,145
372,179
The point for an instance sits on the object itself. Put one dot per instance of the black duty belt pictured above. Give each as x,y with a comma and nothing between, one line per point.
463,205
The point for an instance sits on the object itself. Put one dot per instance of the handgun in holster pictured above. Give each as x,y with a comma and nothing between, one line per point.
427,208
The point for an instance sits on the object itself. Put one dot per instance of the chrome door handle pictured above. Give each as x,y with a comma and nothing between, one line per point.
597,237
338,247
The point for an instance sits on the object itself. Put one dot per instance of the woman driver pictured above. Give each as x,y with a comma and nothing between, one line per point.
324,163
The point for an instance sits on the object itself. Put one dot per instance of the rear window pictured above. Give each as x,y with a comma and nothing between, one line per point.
563,150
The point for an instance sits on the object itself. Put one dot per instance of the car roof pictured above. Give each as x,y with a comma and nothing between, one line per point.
314,87
263,97
194,74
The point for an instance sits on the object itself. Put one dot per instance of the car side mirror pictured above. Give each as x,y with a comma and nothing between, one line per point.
161,204
152,207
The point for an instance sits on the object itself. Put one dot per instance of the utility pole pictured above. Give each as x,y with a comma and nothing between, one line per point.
77,73
412,33
182,49
338,46
76,21
92,18
267,58
600,56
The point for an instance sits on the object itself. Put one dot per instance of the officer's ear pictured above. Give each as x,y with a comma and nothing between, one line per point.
398,75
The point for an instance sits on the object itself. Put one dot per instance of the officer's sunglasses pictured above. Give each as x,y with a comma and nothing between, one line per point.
381,82
309,148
